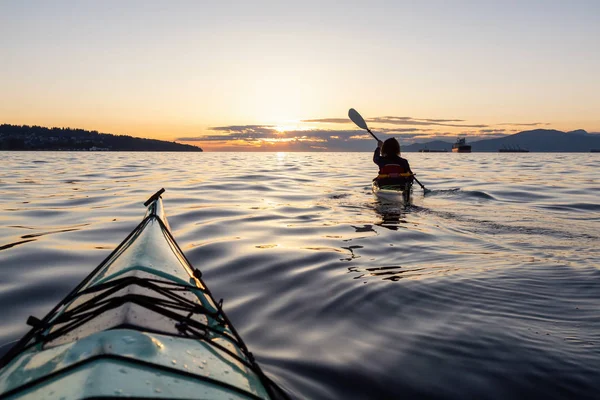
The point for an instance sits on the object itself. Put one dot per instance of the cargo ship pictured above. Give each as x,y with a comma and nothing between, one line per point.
461,146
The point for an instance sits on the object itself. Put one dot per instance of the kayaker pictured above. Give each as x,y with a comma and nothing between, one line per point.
393,169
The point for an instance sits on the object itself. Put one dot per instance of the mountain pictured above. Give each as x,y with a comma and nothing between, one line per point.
542,140
24,137
578,132
537,140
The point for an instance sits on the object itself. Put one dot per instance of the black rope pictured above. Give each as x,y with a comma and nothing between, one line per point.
101,303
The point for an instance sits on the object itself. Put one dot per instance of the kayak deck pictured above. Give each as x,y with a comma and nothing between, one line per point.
142,324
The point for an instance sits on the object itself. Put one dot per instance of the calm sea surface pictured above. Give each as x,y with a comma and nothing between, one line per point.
488,287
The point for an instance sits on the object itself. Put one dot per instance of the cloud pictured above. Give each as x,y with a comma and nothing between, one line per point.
423,122
393,131
440,120
524,124
273,138
392,120
329,120
395,120
243,128
361,137
492,130
267,138
236,132
266,132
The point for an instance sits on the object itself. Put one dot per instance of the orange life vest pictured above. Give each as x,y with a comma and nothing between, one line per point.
393,171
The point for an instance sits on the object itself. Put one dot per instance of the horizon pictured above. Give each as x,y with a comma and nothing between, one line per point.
345,146
280,77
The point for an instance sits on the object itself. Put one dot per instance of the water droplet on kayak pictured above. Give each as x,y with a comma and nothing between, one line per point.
147,382
122,370
188,352
128,339
118,391
201,366
174,362
185,366
226,371
203,361
157,390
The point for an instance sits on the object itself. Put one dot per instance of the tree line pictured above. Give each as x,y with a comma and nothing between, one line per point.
25,137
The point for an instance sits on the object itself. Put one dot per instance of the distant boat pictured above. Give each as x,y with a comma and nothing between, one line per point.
426,150
512,149
461,146
595,151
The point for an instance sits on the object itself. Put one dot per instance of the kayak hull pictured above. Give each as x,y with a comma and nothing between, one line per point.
125,362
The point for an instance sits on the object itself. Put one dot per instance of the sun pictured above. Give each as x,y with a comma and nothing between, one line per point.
290,128
285,128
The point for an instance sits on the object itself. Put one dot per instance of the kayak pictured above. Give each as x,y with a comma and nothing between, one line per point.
143,324
393,193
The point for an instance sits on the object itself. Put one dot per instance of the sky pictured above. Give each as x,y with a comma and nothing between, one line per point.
279,75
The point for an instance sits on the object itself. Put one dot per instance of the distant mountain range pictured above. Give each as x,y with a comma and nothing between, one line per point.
24,137
537,140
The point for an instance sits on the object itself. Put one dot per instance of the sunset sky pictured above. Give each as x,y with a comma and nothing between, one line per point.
242,75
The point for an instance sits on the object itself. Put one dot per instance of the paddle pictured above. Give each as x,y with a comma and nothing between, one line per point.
360,122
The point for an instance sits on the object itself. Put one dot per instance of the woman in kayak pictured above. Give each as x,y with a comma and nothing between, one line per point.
393,169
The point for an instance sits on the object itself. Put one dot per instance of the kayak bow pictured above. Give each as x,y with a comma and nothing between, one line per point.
143,324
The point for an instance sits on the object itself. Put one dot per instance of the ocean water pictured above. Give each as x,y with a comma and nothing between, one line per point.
488,287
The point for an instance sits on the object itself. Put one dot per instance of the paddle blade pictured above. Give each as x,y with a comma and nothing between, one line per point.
357,118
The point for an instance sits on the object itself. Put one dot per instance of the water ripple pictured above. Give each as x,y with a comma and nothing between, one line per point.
487,287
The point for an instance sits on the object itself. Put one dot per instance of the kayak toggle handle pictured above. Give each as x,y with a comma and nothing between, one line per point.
220,316
36,322
154,197
182,326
